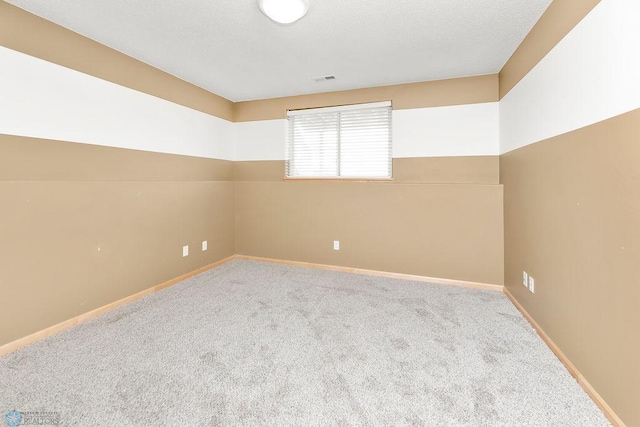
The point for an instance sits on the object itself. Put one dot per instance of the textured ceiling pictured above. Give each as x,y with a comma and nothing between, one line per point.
228,47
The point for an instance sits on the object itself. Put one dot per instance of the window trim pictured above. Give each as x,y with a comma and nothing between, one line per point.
336,179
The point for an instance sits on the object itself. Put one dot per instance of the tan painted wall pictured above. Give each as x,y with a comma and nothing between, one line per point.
467,90
35,36
451,231
410,170
560,17
67,199
62,201
572,210
447,170
440,217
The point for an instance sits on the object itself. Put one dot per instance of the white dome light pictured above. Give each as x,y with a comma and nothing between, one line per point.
284,12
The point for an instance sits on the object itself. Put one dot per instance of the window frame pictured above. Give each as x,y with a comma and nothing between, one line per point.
339,108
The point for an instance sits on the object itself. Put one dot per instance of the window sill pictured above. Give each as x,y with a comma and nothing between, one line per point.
325,179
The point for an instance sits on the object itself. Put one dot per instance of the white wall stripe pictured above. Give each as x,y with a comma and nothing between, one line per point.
460,130
260,140
45,100
590,76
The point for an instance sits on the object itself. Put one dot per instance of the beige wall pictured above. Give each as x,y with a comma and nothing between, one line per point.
571,221
139,208
571,210
87,225
467,90
415,225
447,170
560,17
409,170
84,226
439,217
30,34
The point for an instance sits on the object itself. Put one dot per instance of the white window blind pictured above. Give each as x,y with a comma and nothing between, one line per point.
352,141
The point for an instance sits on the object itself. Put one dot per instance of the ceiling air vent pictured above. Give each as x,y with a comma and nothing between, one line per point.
324,78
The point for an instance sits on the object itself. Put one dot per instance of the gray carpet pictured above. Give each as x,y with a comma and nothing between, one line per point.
252,343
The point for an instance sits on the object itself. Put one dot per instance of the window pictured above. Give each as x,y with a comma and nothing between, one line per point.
351,141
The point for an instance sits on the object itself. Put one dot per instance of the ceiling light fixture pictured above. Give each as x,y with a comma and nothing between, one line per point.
284,12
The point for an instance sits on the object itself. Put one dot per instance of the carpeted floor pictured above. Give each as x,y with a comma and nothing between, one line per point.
252,343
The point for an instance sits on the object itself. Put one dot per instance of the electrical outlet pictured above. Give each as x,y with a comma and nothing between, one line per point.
336,245
532,285
204,245
185,251
525,279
